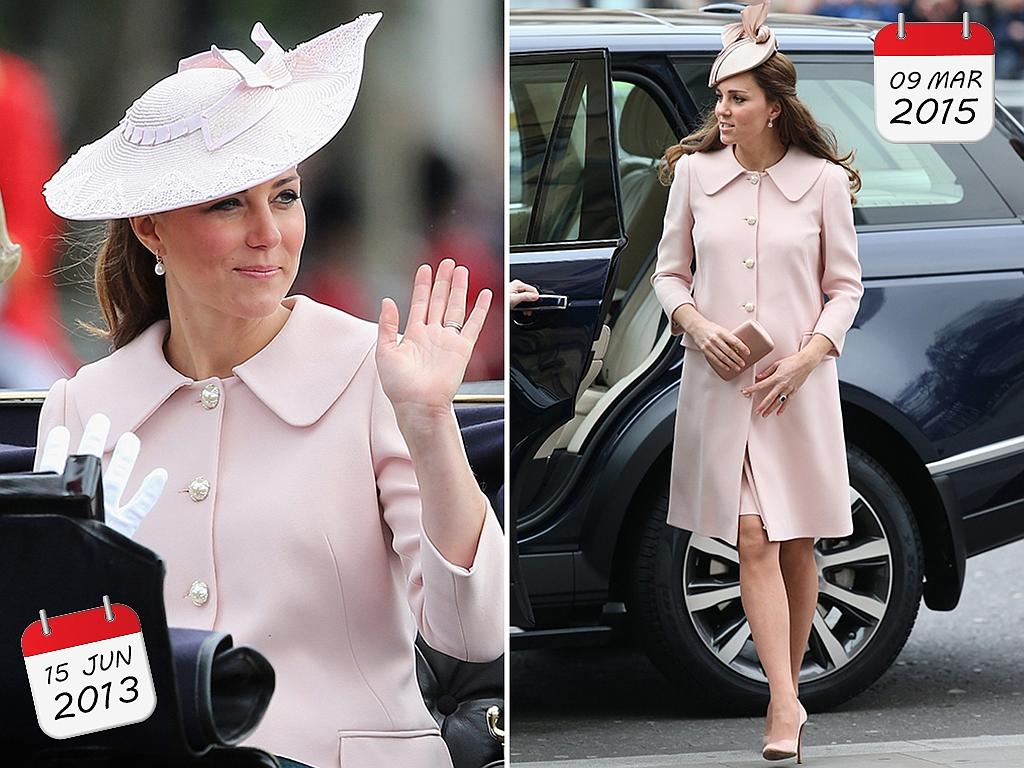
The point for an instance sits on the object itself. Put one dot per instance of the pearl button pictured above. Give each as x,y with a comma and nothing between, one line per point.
210,396
199,488
749,263
198,593
750,220
749,306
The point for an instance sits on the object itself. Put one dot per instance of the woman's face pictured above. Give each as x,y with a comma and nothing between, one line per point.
742,109
236,256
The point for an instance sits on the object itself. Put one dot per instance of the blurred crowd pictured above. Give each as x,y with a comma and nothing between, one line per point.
1004,19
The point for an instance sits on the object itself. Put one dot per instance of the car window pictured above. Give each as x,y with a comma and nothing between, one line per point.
560,175
1001,157
539,88
558,220
901,183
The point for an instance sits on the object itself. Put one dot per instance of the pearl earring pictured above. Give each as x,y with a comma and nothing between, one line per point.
769,122
159,268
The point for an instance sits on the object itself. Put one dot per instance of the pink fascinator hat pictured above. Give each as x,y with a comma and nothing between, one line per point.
220,124
748,43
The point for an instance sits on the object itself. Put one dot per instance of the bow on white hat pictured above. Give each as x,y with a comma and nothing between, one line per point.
747,43
269,72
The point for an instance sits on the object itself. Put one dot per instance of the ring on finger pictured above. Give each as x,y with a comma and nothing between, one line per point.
455,325
783,398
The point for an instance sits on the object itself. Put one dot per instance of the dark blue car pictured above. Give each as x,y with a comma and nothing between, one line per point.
931,377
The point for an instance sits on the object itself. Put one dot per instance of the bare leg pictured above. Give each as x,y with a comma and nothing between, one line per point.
763,595
800,574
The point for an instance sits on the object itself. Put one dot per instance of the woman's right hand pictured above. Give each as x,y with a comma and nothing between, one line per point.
718,343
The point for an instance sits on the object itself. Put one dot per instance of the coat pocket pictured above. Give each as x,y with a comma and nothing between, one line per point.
420,748
687,341
830,356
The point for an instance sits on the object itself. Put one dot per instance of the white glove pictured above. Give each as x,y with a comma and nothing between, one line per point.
125,520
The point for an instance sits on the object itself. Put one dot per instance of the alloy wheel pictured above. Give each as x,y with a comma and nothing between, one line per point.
854,588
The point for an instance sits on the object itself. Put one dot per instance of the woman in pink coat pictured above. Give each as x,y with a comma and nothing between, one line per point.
319,505
763,204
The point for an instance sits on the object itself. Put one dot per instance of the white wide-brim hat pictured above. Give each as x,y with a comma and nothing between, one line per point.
748,43
219,125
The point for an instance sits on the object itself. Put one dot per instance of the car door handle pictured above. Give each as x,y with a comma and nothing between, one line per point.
547,302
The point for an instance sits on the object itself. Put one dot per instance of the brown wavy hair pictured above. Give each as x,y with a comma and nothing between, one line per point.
131,295
795,124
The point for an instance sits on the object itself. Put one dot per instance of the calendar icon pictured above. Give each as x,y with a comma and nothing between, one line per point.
934,81
88,671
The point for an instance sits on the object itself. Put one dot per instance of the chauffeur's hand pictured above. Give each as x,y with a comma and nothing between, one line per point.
421,372
518,292
123,519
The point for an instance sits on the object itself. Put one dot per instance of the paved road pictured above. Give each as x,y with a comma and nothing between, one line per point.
971,752
961,675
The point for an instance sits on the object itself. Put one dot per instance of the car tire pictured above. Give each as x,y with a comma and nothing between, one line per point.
672,636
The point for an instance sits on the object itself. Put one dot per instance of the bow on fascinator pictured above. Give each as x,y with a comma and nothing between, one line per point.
751,25
747,43
270,71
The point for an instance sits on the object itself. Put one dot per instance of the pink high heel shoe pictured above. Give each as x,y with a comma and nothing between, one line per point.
780,750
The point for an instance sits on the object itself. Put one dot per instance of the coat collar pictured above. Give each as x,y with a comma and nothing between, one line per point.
794,174
298,375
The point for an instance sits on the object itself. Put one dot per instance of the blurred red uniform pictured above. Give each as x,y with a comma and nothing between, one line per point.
29,155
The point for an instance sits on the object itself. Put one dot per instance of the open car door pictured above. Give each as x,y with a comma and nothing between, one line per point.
565,225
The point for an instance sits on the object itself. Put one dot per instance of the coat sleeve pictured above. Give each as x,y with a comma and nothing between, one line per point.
673,276
841,275
53,414
459,611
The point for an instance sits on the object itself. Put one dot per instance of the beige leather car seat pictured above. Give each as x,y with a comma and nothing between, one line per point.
644,135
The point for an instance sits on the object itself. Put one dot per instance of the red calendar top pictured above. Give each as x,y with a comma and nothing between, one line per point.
70,629
935,38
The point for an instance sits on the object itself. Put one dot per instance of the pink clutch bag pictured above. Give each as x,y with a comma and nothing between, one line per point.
753,334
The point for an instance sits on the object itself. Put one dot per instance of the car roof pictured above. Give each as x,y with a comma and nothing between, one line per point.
678,30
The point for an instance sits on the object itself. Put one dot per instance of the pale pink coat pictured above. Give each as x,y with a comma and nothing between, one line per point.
766,250
311,539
